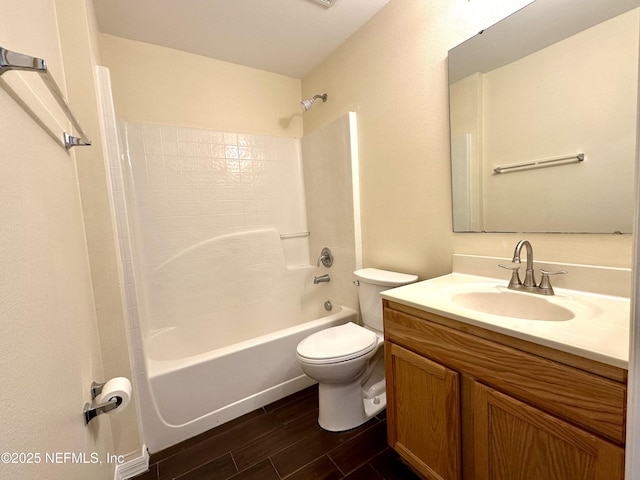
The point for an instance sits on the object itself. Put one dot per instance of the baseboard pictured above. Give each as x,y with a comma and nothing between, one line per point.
133,467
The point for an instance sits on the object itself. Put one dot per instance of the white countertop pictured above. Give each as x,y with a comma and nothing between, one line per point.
598,331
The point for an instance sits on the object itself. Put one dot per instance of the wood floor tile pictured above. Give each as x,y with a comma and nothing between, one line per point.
365,472
303,406
222,468
322,469
217,445
168,452
308,449
282,441
361,448
290,433
262,471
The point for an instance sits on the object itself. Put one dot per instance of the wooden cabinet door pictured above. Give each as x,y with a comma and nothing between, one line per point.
423,413
515,441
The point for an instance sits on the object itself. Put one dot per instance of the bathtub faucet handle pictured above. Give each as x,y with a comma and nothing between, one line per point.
326,257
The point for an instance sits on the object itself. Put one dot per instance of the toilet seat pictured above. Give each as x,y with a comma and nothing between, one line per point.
337,344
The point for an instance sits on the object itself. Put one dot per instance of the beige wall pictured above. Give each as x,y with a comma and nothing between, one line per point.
52,341
153,84
78,33
392,72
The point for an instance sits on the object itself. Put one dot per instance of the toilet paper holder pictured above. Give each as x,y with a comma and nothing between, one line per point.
89,412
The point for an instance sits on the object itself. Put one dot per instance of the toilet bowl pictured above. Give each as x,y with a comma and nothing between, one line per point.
347,361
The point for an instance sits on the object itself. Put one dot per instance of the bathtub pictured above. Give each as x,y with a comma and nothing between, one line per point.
193,389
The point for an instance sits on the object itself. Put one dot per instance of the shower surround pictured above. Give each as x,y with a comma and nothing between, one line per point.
215,213
218,275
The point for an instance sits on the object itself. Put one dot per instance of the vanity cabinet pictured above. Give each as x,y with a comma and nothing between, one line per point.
514,440
465,403
426,432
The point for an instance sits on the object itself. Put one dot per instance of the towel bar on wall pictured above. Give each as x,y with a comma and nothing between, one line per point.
17,61
549,162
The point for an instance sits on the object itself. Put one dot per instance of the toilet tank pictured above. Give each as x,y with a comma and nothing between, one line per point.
372,281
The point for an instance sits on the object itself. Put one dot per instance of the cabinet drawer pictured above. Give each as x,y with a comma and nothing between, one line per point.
593,402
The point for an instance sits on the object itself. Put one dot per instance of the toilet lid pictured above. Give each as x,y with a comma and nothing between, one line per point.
337,344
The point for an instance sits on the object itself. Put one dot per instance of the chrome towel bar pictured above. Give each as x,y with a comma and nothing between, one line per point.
549,162
17,61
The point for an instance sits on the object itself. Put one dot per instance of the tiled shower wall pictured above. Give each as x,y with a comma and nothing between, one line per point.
216,218
210,209
193,185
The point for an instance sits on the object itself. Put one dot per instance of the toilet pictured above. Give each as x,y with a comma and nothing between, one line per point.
347,361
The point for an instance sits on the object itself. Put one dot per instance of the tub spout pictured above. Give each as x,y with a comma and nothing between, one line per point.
321,279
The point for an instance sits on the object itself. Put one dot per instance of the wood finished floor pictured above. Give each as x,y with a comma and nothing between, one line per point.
282,441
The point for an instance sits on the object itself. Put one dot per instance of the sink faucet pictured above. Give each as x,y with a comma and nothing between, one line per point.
529,284
529,279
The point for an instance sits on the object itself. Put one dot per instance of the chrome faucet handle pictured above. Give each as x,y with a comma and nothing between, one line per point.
515,277
545,285
326,257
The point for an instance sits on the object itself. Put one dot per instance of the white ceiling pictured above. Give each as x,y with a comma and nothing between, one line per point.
289,37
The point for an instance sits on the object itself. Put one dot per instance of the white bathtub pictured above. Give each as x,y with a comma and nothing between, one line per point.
194,388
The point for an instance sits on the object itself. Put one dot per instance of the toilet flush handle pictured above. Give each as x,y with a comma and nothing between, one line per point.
356,283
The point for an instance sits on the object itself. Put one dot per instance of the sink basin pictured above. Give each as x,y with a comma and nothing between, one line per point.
588,323
508,303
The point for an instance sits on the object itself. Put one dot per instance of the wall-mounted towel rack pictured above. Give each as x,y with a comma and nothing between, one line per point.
548,162
17,61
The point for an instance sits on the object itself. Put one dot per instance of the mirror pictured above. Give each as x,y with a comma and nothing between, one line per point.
528,96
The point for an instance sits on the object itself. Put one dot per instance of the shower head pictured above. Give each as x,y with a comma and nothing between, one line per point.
306,104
